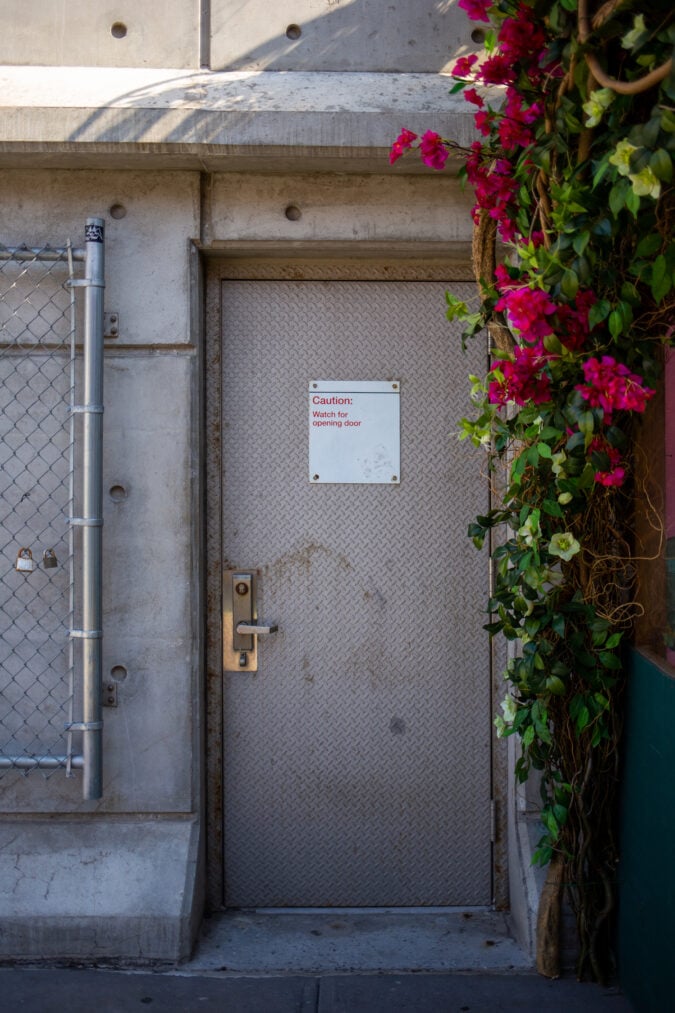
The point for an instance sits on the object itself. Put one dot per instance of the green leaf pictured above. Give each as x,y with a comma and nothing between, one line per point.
580,242
569,284
552,344
633,202
552,508
648,246
615,323
617,196
544,450
599,311
555,685
582,718
662,281
661,165
586,423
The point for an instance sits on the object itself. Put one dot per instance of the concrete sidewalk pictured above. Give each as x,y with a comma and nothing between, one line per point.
75,990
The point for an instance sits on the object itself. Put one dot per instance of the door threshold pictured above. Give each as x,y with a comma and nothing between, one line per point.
339,940
439,910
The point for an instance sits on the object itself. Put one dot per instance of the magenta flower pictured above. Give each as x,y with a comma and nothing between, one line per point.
616,474
522,379
464,66
611,386
433,151
523,40
476,9
497,70
471,95
572,321
402,144
527,310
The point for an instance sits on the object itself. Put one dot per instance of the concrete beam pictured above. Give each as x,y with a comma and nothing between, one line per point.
251,121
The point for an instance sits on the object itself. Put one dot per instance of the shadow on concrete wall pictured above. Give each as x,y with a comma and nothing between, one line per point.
180,109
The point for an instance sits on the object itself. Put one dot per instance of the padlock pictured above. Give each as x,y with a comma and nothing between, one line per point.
24,561
49,560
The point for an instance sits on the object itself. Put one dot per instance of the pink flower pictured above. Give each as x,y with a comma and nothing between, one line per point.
616,474
464,66
503,278
527,310
402,144
611,386
497,70
523,40
476,9
507,230
572,321
471,95
521,379
483,120
433,151
513,127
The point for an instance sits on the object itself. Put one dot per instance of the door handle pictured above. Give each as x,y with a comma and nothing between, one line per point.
241,626
257,628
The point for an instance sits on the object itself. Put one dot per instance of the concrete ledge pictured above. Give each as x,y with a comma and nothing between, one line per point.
98,889
213,121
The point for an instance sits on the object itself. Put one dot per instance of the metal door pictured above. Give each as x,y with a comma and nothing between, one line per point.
357,757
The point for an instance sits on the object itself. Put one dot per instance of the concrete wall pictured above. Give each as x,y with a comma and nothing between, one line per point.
134,858
316,35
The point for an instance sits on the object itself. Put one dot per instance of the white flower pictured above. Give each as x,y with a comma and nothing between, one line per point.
645,183
564,544
595,108
621,156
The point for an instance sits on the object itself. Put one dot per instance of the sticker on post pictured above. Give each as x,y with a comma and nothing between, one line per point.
355,431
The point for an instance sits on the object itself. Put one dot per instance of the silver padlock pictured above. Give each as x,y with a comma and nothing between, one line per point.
49,560
24,561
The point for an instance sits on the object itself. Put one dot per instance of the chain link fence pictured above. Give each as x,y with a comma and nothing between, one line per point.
42,709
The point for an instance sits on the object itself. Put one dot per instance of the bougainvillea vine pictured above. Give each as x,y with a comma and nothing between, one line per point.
572,170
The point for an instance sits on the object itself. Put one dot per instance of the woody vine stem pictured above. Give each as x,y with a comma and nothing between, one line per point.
575,263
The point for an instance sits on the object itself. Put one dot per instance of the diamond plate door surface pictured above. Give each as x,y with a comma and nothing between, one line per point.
357,759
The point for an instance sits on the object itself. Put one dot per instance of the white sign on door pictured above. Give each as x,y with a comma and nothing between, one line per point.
355,431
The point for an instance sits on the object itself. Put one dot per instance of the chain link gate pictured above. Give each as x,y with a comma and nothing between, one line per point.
51,393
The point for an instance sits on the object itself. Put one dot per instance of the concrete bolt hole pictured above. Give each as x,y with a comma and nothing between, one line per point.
293,213
118,673
293,32
118,30
117,493
118,211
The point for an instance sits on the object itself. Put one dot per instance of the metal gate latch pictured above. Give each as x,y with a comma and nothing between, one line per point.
241,627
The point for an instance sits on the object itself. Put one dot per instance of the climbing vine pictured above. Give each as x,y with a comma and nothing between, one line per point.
572,169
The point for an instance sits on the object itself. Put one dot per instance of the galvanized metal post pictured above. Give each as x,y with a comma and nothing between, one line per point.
92,511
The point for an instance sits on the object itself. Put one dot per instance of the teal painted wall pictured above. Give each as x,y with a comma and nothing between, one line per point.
647,839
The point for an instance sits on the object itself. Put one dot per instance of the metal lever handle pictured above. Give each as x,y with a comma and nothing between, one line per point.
256,628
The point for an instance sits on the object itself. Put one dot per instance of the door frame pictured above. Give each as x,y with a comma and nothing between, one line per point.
317,261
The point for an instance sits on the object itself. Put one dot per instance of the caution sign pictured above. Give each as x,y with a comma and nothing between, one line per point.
355,431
